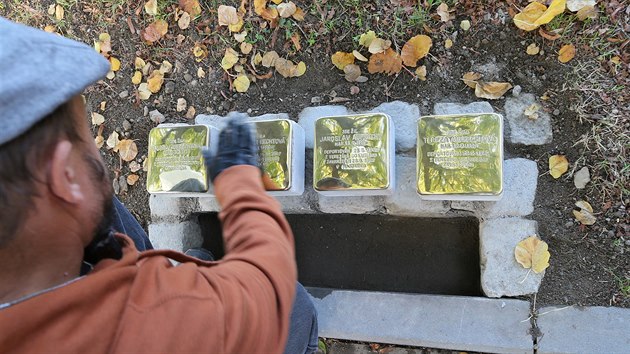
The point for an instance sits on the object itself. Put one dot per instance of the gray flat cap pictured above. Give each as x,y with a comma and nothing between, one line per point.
38,72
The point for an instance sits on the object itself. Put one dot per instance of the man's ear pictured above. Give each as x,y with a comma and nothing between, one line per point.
62,178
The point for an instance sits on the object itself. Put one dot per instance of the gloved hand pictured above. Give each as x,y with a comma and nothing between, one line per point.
237,146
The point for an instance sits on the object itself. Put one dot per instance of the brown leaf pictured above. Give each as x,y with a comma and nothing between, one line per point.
298,15
415,49
155,31
127,149
491,90
552,36
388,62
352,72
566,53
470,79
295,38
132,179
190,6
184,21
155,81
227,15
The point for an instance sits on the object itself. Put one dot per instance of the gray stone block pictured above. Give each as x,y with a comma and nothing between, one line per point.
449,322
309,115
584,330
501,274
175,236
303,204
460,108
350,204
522,129
404,116
209,204
405,201
520,178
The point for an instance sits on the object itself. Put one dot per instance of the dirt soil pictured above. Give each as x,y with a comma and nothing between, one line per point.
588,263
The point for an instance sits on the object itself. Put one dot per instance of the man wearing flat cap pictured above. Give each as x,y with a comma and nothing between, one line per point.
57,216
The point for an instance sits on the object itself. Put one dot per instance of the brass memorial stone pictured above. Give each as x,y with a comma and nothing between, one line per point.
353,154
460,157
174,161
275,152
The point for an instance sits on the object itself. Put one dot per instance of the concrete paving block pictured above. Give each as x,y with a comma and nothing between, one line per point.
584,330
444,108
357,348
309,115
522,129
350,204
520,178
216,120
501,274
303,204
405,201
175,236
163,205
449,322
404,116
209,204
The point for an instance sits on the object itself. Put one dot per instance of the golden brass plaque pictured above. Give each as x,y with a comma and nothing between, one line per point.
175,162
460,155
274,152
352,153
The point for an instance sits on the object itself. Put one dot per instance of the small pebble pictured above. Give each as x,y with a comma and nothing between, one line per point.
556,112
502,36
156,116
122,182
116,186
249,111
316,99
627,242
170,87
568,224
188,77
126,125
516,91
124,94
145,111
181,104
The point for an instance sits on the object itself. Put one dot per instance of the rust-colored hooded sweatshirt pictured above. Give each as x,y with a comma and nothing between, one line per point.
143,304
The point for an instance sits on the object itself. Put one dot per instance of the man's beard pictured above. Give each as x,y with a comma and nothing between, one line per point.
104,243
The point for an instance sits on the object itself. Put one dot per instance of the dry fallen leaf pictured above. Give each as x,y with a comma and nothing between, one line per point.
379,45
388,62
114,64
261,9
442,11
181,104
240,37
566,53
341,59
155,31
50,29
134,166
581,178
552,36
241,83
286,9
155,81
367,38
470,79
359,56
415,49
104,44
421,72
558,165
298,15
352,72
464,25
536,14
59,12
584,214
184,21
139,63
132,179
201,73
229,59
99,141
190,113
136,78
127,149
151,7
97,119
287,68
190,6
577,5
448,43
143,91
532,253
269,59
112,141
227,15
533,49
491,90
200,52
246,48
166,67
587,12
531,112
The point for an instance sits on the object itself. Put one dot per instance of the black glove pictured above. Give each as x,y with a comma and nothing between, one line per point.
237,146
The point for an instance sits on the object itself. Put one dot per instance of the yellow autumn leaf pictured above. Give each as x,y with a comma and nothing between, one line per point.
151,7
532,253
50,29
97,119
200,51
491,90
558,165
127,149
470,79
261,9
269,59
298,15
136,78
536,14
367,38
155,81
237,26
533,49
566,53
114,64
421,72
166,67
585,213
229,59
287,68
246,48
448,43
59,12
300,69
139,63
415,49
190,6
241,83
104,44
341,59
